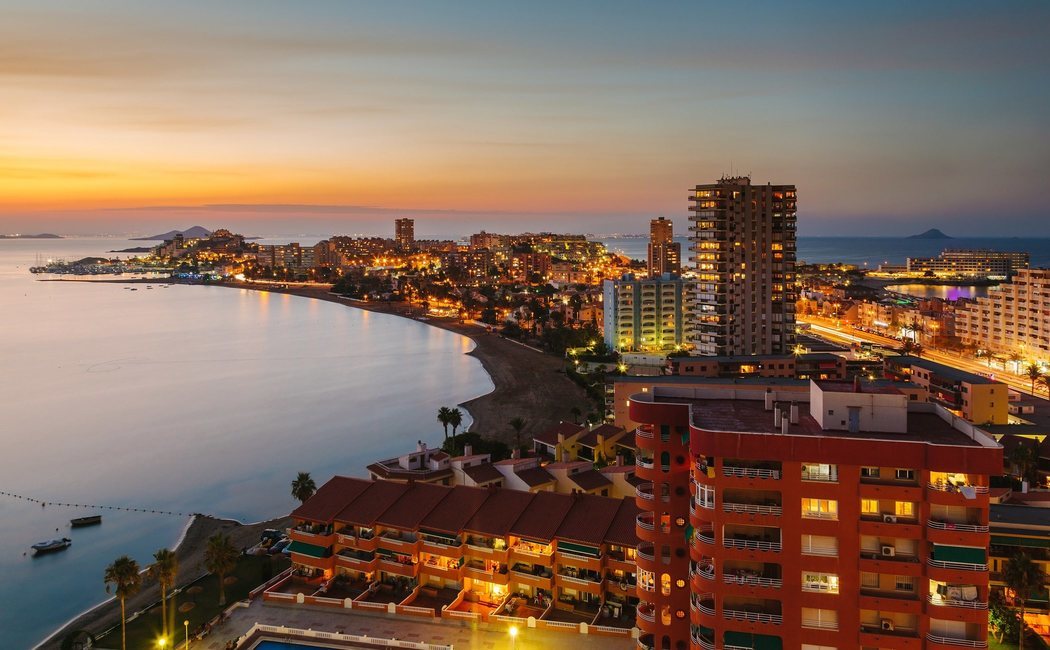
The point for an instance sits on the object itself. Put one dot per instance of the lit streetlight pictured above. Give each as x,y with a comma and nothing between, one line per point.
186,625
513,637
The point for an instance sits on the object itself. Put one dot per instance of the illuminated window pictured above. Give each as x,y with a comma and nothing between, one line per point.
905,509
869,506
820,508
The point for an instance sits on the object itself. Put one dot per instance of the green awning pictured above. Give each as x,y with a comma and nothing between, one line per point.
579,549
308,549
756,641
1031,542
963,554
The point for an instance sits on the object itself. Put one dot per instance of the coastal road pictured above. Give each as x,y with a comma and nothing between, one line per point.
844,334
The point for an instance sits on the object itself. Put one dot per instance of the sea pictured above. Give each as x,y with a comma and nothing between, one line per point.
162,402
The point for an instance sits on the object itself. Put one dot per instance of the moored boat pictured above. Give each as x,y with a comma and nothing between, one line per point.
90,520
54,545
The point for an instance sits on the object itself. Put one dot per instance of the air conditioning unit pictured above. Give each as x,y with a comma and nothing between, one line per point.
889,551
889,519
886,625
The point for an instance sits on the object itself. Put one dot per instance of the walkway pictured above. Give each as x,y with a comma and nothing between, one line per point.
460,635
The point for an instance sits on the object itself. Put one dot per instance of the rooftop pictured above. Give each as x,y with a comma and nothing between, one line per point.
458,506
566,429
333,496
535,476
483,473
367,505
412,506
941,370
591,479
1014,515
589,519
499,512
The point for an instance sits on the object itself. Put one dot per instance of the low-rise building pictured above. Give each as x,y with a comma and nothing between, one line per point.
812,365
977,398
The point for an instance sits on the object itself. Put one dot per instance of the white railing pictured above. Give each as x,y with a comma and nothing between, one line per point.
752,508
644,433
647,552
956,489
260,629
706,505
582,581
823,477
753,617
703,607
608,629
819,587
644,491
702,642
816,514
750,472
706,536
758,581
934,599
643,463
961,566
648,616
562,624
947,640
706,572
645,521
948,525
751,544
363,604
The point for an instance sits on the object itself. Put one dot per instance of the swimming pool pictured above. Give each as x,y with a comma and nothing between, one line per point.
286,645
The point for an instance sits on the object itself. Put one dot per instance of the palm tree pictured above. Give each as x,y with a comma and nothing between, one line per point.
124,575
1045,381
1023,576
576,413
303,487
164,570
1034,373
455,418
445,418
220,558
1022,457
517,424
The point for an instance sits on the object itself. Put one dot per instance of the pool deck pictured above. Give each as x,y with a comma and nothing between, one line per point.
459,635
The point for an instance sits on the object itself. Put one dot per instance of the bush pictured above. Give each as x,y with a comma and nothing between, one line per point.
454,446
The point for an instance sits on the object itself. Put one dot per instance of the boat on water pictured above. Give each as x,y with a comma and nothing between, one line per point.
50,547
90,520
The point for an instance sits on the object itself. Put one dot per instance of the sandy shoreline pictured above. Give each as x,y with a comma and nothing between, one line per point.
190,552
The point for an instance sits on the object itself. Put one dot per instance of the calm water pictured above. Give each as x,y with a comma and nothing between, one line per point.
190,399
870,251
937,291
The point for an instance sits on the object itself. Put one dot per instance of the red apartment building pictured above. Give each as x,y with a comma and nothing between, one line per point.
848,517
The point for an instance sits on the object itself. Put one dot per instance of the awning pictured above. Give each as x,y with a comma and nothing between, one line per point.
308,549
962,554
756,641
578,549
1031,542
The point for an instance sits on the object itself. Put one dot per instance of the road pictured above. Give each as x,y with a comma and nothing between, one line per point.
827,328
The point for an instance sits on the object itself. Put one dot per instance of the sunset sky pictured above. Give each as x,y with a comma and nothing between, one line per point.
285,117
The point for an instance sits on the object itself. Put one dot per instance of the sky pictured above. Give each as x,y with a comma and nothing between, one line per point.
336,117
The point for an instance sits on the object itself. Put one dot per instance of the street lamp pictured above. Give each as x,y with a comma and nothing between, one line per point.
186,624
513,637
162,642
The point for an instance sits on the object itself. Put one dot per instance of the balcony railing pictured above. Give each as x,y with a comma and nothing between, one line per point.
949,525
703,603
948,640
644,432
751,544
817,514
960,566
699,640
750,472
940,601
752,617
645,521
644,491
707,536
706,571
646,612
758,581
646,552
752,508
948,487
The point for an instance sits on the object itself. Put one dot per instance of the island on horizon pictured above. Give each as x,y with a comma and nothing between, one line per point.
196,232
932,233
43,235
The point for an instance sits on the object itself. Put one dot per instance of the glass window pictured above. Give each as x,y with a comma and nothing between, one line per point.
904,583
905,475
905,509
869,506
820,508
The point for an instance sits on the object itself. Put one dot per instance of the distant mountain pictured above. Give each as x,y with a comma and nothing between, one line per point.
191,233
932,233
43,235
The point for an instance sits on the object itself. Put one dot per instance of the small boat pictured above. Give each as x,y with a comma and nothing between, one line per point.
54,545
85,521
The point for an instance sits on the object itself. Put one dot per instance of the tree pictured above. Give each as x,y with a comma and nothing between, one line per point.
220,558
1034,373
1022,457
1045,381
164,570
1001,618
303,487
576,413
445,418
126,580
517,424
455,418
1023,576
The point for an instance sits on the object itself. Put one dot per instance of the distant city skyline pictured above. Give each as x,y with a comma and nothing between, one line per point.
590,117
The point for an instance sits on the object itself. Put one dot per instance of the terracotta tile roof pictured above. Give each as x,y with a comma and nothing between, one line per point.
592,479
498,513
330,499
535,476
550,436
483,473
635,480
514,461
627,440
456,510
622,531
589,519
366,508
396,473
543,516
618,469
590,439
571,464
413,506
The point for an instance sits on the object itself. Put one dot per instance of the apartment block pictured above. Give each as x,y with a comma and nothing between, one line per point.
468,553
810,365
665,254
405,233
744,248
971,263
1013,318
649,315
846,517
975,397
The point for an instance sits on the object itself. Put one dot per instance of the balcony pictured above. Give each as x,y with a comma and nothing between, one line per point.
703,603
951,525
942,601
646,611
957,566
738,471
948,640
752,508
644,491
752,544
751,614
705,534
743,577
645,521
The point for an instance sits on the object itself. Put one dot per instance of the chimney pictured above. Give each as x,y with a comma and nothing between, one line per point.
468,450
856,384
769,399
777,417
619,460
794,413
784,424
515,453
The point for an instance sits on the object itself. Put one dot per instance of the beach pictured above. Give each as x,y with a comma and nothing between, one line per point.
190,553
